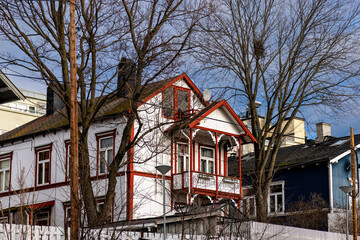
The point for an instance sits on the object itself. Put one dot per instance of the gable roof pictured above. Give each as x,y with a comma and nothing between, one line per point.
247,137
114,106
305,154
8,91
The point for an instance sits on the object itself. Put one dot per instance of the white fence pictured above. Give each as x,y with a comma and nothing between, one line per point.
249,231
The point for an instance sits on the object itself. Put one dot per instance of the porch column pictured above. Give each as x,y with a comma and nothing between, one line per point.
240,180
191,165
172,171
216,166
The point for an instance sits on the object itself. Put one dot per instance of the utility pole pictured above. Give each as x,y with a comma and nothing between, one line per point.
353,177
74,138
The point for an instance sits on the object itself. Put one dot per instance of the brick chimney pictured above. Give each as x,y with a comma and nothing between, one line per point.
323,130
126,76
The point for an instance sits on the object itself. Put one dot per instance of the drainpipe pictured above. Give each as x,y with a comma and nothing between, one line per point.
187,199
331,200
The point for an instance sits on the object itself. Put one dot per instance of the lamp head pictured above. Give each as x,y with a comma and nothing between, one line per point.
346,189
163,168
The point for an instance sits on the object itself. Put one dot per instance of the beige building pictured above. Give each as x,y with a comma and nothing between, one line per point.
18,107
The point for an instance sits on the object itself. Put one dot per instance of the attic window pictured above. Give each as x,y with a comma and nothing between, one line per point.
340,142
176,102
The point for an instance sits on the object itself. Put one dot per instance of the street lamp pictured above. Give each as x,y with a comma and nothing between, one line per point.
347,190
164,169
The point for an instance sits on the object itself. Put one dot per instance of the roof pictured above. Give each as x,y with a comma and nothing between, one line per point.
305,154
112,107
8,91
196,118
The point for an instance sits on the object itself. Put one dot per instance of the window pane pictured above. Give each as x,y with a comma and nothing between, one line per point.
205,152
102,161
211,167
7,175
168,102
276,188
183,149
109,157
272,204
106,142
279,203
47,171
183,100
203,165
180,164
40,174
5,164
45,155
1,181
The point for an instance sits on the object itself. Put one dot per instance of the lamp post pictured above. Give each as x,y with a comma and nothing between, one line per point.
164,169
347,190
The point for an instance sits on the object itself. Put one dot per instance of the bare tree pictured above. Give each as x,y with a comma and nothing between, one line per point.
151,33
287,55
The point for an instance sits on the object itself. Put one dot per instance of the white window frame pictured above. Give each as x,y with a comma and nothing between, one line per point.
5,186
276,194
106,150
42,163
207,159
185,157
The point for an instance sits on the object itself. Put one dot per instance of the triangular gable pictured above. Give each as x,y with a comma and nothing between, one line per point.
228,123
175,79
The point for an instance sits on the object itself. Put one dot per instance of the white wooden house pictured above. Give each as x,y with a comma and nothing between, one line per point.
34,184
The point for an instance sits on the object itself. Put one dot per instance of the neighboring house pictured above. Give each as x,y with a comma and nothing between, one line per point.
319,167
34,157
18,107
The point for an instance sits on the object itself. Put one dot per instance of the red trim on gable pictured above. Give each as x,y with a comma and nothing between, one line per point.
187,80
227,106
41,205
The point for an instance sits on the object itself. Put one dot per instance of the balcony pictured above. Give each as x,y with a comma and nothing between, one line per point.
207,182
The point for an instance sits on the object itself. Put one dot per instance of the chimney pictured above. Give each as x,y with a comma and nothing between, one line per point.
126,76
323,130
53,102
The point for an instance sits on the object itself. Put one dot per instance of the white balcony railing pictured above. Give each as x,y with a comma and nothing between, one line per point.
206,181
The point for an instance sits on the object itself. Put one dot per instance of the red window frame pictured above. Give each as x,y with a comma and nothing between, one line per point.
37,151
176,101
4,157
98,137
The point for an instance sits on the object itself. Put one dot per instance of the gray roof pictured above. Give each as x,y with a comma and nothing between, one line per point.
300,155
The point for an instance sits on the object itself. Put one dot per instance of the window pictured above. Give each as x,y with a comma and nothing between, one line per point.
5,173
248,206
176,102
182,157
43,165
31,109
276,198
42,217
105,151
207,160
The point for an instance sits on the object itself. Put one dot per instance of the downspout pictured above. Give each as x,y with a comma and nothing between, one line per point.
331,201
187,199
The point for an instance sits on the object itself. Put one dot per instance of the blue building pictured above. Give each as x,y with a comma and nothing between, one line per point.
316,167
